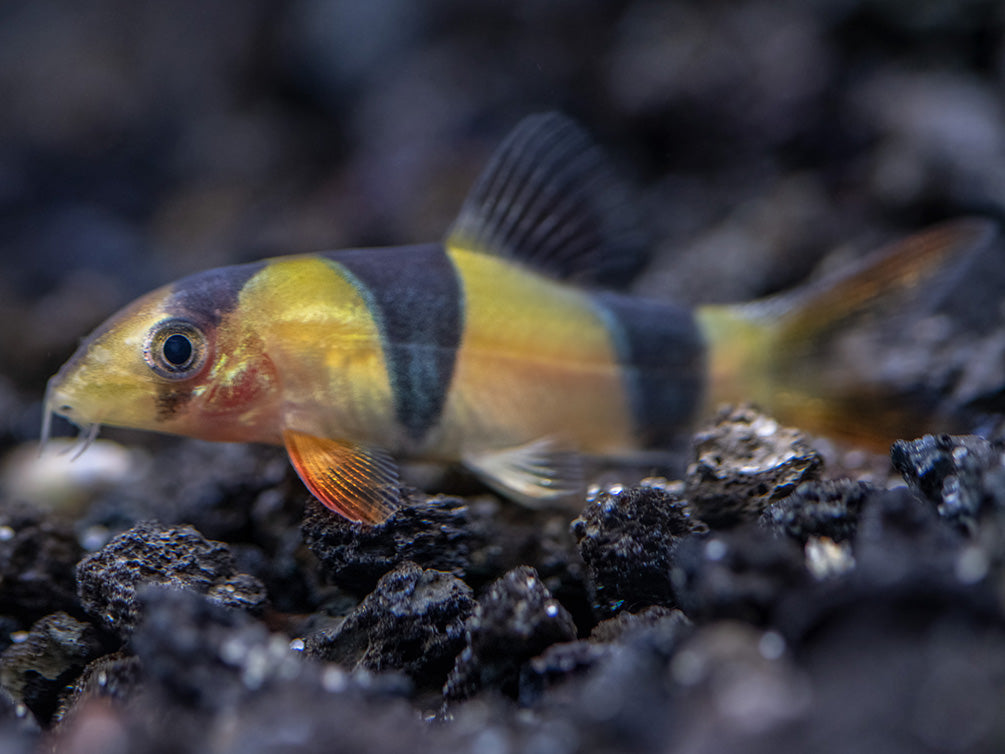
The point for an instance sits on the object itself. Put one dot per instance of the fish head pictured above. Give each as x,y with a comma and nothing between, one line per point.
181,359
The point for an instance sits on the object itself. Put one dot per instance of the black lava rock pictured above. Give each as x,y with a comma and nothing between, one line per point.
743,462
515,620
669,623
558,664
901,537
37,557
628,541
960,475
441,533
38,671
826,508
739,574
113,677
209,663
412,622
19,733
216,494
200,654
153,554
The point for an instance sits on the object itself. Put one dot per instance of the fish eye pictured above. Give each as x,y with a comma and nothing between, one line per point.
175,349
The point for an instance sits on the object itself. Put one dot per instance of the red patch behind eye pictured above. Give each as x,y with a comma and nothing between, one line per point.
251,383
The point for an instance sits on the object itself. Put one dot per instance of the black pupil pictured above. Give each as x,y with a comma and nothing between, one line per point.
177,350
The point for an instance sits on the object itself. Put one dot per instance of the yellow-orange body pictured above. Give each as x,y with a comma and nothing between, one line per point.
479,350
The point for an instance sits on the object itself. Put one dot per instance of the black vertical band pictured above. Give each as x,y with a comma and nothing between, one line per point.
662,352
415,297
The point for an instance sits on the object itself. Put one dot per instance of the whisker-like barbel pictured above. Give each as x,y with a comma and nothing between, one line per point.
46,419
87,436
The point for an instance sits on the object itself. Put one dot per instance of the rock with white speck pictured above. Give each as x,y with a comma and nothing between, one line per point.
743,462
515,620
110,580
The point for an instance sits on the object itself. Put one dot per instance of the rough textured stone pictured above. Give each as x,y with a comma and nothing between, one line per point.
439,533
515,620
744,461
826,508
38,671
110,580
38,553
960,475
412,622
115,677
740,574
628,541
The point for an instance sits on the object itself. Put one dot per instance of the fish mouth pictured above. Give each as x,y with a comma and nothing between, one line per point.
88,431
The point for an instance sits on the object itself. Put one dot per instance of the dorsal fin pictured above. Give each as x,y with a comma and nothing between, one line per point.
549,198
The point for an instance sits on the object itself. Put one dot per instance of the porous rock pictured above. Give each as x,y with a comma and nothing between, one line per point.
442,533
200,654
902,538
744,461
38,553
116,676
19,732
737,574
216,493
960,475
412,622
516,619
109,581
558,664
656,619
824,508
38,671
232,686
628,541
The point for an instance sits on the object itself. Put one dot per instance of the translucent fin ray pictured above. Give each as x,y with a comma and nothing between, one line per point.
356,481
537,473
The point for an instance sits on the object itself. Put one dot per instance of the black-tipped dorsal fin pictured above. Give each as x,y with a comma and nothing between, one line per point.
549,198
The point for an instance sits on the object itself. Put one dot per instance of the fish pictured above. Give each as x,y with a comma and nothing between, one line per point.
512,347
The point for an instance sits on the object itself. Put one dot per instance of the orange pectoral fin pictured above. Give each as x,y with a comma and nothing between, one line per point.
357,482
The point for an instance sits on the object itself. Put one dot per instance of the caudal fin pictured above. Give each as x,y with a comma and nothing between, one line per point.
804,356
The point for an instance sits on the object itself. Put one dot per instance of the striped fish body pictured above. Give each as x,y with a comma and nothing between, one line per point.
503,348
441,354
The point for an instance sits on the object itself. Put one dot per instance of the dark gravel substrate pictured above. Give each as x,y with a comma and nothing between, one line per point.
785,594
842,616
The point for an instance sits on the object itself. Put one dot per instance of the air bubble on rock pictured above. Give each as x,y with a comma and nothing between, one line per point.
551,610
297,645
18,637
6,533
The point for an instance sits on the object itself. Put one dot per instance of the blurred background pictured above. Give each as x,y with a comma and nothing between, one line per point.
143,140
